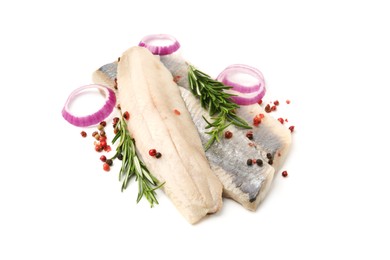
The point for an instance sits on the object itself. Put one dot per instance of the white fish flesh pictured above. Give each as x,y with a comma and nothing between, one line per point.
147,92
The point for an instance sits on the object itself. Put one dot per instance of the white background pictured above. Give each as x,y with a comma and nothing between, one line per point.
331,58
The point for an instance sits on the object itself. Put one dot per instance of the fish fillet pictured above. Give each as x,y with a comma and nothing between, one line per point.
270,136
245,184
147,92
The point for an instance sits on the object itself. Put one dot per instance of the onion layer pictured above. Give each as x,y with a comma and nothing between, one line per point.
96,117
247,83
160,44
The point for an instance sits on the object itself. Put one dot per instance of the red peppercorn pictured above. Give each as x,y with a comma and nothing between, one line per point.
103,158
284,174
106,167
126,115
152,152
115,121
103,143
249,135
257,119
177,112
288,101
276,103
103,123
267,108
107,149
260,102
228,134
291,128
83,134
281,120
98,148
273,108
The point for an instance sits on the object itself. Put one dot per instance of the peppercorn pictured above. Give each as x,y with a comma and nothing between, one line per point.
269,155
276,103
259,162
270,161
152,152
109,162
291,128
115,121
94,133
228,134
126,115
249,135
267,108
100,127
249,162
98,148
158,155
284,174
103,158
103,123
281,120
177,112
83,134
119,156
106,167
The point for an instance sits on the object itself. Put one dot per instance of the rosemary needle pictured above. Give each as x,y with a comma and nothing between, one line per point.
132,166
213,97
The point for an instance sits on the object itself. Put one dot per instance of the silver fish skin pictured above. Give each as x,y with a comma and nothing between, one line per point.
248,185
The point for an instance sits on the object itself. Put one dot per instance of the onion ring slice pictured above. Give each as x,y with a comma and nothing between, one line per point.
247,83
96,117
160,44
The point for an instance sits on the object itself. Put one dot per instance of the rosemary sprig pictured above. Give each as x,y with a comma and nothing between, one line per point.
132,166
213,97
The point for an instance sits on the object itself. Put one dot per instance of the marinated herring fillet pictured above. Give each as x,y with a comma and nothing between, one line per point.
147,92
247,185
270,136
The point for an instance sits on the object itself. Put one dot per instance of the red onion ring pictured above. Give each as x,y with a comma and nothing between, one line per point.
228,73
256,89
159,49
96,117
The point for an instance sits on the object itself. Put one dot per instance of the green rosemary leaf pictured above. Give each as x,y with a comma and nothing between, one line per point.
132,166
218,103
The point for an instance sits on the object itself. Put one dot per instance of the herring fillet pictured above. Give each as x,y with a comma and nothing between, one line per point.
270,136
245,184
147,92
